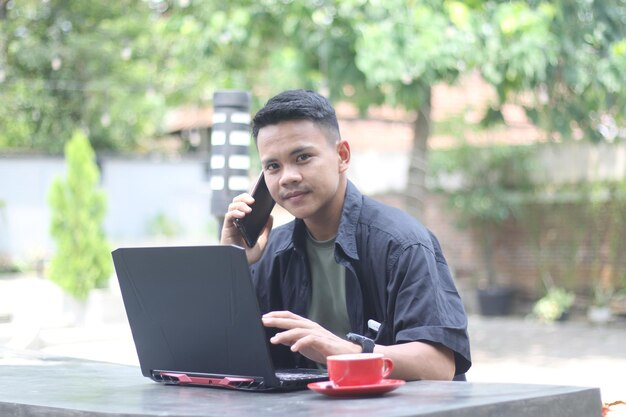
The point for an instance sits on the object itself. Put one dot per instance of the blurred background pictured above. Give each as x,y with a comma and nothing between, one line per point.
499,124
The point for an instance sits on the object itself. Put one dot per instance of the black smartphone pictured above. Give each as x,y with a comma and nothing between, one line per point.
251,225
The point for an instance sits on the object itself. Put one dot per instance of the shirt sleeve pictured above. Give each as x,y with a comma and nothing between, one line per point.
425,303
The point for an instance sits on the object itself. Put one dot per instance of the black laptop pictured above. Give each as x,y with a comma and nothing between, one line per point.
195,319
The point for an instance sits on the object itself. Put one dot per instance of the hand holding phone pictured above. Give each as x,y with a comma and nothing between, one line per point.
252,224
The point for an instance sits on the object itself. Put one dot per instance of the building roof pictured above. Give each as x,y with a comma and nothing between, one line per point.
388,129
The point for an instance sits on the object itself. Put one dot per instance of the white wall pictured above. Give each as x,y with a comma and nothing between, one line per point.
379,172
25,219
573,161
140,190
137,191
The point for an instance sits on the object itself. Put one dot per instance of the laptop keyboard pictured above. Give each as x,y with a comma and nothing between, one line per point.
300,374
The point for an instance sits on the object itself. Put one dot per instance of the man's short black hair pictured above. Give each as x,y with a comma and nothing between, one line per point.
298,105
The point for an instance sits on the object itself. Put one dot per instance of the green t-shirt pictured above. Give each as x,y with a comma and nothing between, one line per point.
328,296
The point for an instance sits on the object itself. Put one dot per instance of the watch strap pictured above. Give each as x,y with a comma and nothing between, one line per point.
367,344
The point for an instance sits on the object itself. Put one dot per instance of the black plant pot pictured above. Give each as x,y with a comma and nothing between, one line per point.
495,301
564,316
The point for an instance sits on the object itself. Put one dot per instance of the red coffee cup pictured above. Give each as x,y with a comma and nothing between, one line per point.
358,369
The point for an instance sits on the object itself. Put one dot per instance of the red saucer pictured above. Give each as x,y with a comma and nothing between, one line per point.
328,388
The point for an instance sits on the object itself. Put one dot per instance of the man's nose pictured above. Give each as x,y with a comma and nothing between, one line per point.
289,176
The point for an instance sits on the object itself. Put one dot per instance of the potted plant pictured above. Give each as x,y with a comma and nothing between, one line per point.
617,304
599,310
554,305
485,187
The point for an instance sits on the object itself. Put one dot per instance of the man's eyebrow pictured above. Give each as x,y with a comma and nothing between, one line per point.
300,149
293,152
265,162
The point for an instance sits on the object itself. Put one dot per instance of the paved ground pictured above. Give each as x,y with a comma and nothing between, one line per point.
511,349
569,353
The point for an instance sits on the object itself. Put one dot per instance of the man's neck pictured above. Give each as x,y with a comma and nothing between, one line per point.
325,224
323,228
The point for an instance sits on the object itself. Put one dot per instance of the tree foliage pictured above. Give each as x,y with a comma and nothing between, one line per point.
569,75
82,260
72,64
114,68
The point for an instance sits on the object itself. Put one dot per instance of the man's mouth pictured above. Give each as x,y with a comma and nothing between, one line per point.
289,195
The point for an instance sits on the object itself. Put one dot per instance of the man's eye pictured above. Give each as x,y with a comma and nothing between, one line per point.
270,167
303,157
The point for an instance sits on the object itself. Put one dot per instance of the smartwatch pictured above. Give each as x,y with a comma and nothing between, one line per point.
367,344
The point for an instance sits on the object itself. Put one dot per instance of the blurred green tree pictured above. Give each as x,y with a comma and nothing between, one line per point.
571,79
68,64
562,60
114,68
82,260
363,52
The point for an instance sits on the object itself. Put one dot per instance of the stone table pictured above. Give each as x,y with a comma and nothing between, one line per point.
36,385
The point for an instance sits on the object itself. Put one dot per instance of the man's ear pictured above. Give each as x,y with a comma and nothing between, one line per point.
343,151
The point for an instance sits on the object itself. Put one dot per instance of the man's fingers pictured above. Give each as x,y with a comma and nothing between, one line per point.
314,342
245,198
306,337
240,206
286,320
238,210
293,337
288,337
284,323
283,314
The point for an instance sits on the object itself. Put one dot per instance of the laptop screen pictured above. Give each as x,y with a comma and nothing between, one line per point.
194,309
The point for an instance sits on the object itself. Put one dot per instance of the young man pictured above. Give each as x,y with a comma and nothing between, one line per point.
346,258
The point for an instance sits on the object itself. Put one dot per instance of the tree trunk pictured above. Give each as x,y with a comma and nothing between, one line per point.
3,9
487,246
415,194
3,42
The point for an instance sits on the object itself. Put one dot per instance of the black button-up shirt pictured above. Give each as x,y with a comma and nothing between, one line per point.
396,274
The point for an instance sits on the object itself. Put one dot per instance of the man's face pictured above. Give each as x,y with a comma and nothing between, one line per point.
303,170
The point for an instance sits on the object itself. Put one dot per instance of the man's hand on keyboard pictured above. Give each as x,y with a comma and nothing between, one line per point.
306,336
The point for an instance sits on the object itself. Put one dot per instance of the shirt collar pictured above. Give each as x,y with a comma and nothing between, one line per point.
346,235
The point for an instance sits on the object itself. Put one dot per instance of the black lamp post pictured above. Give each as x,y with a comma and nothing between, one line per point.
230,142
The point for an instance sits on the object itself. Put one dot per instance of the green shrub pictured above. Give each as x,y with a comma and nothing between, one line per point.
553,305
82,260
492,184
